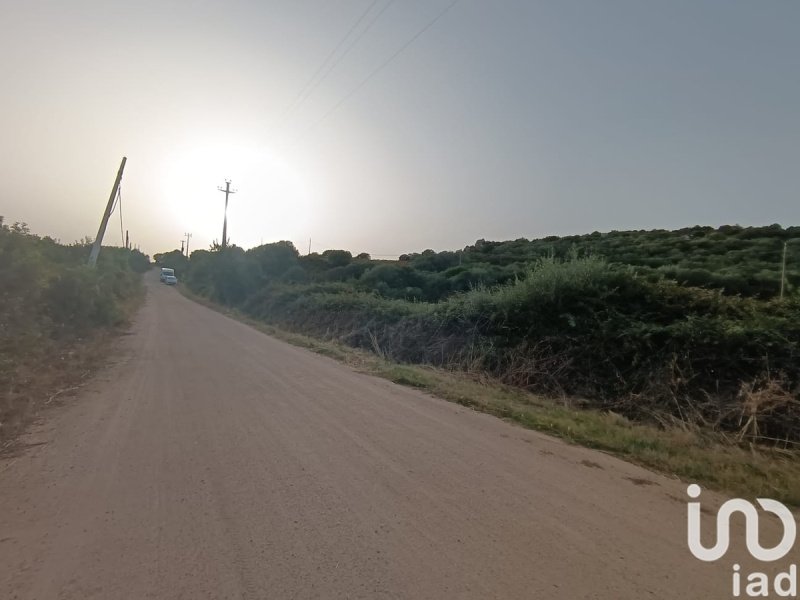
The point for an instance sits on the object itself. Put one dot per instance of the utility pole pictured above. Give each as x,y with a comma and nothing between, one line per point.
104,221
309,246
188,237
182,242
228,191
127,241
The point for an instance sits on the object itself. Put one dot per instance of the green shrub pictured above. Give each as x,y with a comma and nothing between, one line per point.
51,306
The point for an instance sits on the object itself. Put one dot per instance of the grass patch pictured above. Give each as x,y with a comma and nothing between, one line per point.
706,458
53,375
56,370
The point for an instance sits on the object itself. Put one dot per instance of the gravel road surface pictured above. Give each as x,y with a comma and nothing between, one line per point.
209,460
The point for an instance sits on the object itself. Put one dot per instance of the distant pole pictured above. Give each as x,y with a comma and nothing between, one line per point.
309,246
182,242
783,268
127,240
188,237
228,191
101,231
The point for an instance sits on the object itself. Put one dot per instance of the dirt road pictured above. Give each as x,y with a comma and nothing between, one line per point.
211,461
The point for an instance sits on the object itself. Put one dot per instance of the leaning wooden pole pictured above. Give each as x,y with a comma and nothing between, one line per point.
98,240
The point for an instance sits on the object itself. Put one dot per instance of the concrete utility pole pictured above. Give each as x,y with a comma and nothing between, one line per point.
188,237
182,242
127,241
104,221
228,191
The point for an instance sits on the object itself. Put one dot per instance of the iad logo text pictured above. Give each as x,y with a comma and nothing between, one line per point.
757,585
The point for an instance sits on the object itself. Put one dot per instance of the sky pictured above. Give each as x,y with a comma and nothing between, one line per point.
433,124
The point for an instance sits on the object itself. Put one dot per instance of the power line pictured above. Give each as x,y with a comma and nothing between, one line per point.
118,202
344,54
328,58
381,66
121,229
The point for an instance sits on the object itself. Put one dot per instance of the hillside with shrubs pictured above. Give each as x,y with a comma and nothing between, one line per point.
54,312
665,327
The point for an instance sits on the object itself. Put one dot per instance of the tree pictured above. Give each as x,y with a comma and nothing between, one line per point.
337,258
273,260
173,259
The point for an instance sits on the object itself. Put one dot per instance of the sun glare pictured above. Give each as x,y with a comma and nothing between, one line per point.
271,202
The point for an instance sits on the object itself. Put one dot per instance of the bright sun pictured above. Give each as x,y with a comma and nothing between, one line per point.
271,202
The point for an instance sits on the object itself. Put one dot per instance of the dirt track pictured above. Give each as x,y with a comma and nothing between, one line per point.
211,461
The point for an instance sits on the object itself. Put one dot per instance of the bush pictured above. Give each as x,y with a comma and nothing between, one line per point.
48,289
51,306
337,258
77,299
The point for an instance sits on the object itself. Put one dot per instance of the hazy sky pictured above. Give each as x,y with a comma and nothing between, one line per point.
505,119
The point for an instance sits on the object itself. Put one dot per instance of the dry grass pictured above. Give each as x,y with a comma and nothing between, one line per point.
760,402
51,371
48,376
679,450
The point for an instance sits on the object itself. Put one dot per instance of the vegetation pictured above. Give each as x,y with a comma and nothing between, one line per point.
614,319
737,260
53,312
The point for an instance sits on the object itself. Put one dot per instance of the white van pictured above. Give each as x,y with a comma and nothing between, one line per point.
166,273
